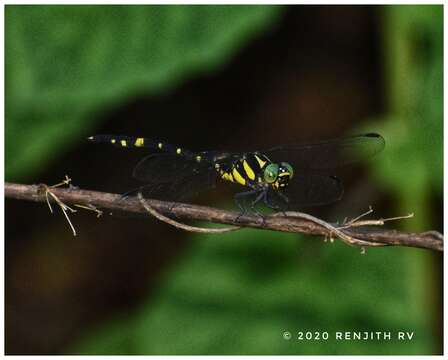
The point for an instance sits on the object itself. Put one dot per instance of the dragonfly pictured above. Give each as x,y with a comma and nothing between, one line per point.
284,177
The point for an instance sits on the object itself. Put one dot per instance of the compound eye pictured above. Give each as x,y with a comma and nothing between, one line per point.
289,168
271,173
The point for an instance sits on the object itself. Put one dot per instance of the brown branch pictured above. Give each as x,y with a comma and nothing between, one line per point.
294,222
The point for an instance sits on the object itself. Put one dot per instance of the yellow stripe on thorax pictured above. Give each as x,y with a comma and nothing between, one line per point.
226,176
249,172
261,162
237,176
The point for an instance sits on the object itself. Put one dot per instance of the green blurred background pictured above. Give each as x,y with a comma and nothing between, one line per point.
220,77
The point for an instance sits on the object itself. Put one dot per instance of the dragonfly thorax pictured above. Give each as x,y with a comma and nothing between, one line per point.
257,171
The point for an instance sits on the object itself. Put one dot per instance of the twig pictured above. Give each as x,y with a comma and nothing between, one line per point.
333,230
371,236
356,219
90,207
179,225
48,191
356,222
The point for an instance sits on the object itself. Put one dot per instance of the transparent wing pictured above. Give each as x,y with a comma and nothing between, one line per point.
159,168
328,154
307,190
173,177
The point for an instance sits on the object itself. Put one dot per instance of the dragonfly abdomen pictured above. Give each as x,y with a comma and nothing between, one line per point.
140,142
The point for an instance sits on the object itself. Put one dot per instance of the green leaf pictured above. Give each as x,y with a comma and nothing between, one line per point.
237,294
63,63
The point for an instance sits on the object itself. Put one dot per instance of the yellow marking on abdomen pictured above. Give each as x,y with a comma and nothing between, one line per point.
261,162
237,176
249,172
113,141
139,142
178,151
123,143
159,145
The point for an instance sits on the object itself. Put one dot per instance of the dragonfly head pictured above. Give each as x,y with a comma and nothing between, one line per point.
278,175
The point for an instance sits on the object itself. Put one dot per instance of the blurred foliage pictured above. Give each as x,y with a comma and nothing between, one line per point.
238,293
65,62
412,166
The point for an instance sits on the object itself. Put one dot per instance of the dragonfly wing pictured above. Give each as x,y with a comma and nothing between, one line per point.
159,168
173,177
307,190
328,154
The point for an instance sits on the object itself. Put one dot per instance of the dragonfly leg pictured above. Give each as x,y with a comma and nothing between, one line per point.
282,209
261,195
239,198
129,193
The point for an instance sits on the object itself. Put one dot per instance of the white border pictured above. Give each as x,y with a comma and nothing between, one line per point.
311,2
